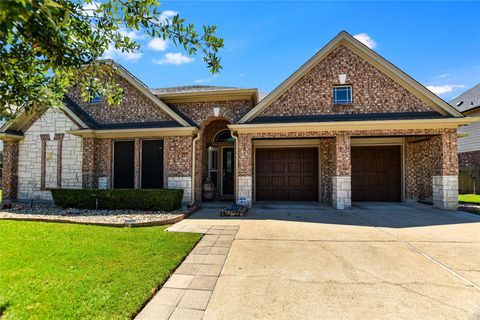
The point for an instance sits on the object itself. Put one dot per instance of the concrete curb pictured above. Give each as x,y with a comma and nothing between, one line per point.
173,220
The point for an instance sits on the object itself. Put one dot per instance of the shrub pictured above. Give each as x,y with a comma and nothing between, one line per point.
138,199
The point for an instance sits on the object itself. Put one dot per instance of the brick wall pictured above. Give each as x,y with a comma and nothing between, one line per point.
135,107
428,153
31,153
373,91
202,112
469,159
10,171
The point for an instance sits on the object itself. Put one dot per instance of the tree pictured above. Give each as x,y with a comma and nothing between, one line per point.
44,44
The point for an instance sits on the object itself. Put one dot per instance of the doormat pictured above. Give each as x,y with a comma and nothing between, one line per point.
234,211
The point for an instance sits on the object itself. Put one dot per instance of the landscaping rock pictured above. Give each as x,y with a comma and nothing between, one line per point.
133,218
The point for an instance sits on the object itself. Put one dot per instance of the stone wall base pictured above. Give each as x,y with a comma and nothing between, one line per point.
341,192
244,189
184,183
445,192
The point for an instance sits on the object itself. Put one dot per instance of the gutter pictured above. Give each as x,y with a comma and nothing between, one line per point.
232,133
193,167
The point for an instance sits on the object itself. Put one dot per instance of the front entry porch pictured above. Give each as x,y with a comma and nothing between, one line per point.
218,178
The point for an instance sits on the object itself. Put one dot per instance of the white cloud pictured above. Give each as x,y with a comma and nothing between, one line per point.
89,8
366,40
443,75
116,54
157,44
132,34
205,80
166,16
444,88
173,58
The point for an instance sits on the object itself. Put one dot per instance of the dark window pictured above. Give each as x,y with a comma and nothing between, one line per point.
342,94
95,97
152,164
224,136
123,165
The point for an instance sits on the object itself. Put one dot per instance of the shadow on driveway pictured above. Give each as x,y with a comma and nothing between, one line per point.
378,214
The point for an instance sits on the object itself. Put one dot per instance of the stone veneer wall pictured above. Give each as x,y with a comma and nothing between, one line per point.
428,153
469,159
372,90
342,181
445,192
30,157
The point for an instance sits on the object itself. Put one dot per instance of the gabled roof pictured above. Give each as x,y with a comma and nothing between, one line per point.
190,89
205,93
347,40
143,88
468,100
85,121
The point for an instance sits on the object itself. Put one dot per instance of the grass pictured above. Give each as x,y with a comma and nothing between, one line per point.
473,198
68,271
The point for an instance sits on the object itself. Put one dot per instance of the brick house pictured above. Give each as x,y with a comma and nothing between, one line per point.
347,126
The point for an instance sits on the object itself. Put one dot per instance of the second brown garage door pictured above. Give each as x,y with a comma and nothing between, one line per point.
376,173
289,174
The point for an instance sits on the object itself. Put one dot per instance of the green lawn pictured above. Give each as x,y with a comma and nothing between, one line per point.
474,198
68,271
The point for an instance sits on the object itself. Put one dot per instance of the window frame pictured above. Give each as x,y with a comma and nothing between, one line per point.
92,98
347,86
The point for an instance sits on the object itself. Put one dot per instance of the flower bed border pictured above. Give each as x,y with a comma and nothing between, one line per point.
173,220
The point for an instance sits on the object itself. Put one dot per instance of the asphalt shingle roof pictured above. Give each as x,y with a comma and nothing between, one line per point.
468,100
190,89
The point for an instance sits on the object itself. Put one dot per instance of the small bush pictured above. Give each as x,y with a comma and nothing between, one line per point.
137,199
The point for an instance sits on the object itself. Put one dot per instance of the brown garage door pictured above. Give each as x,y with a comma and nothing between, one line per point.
376,173
289,174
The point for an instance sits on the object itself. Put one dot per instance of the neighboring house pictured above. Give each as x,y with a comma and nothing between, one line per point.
468,103
347,126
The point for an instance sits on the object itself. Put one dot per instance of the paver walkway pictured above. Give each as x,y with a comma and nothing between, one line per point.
186,293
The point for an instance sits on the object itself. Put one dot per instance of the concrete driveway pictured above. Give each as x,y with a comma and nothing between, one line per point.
376,261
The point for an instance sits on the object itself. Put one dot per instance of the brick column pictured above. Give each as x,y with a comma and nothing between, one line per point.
245,168
10,171
137,163
342,180
88,163
445,177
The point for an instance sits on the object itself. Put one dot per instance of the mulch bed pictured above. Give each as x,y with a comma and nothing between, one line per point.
114,218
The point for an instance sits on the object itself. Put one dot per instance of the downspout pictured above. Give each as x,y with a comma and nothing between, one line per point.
193,167
236,164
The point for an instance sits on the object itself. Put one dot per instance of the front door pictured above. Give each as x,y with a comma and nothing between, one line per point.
228,171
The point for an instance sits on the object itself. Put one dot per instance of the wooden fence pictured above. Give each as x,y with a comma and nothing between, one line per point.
469,180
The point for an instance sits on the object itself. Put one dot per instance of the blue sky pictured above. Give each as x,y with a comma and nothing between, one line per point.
437,43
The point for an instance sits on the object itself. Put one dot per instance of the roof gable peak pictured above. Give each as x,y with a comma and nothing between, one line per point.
351,43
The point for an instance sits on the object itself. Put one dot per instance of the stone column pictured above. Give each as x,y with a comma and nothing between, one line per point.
10,171
88,163
342,180
445,177
245,169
